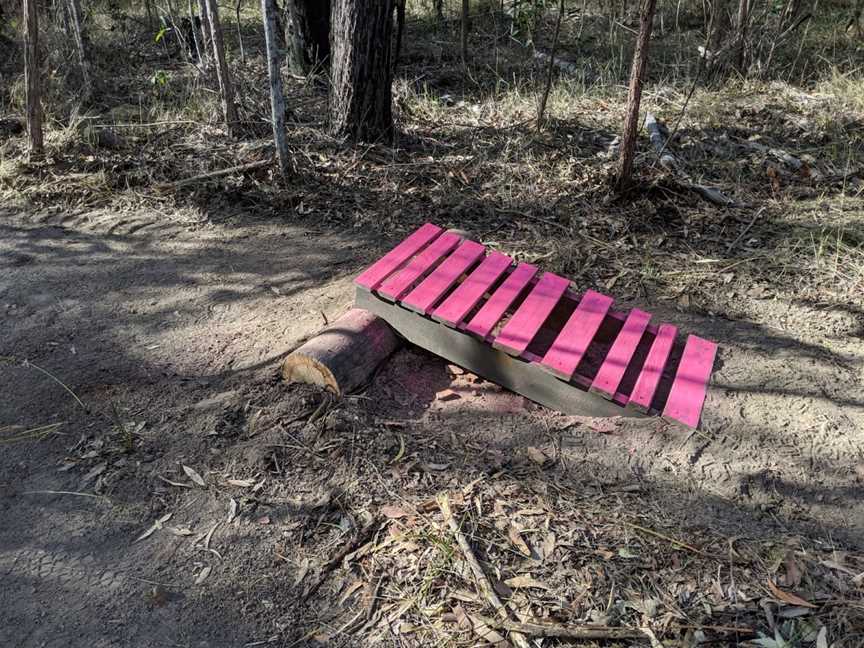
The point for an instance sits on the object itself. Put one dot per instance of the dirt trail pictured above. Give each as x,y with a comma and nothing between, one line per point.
178,323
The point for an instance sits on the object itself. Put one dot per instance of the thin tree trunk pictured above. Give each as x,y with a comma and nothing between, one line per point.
31,79
205,34
307,34
743,18
465,27
400,28
83,59
240,32
634,97
226,90
545,97
361,71
196,34
277,97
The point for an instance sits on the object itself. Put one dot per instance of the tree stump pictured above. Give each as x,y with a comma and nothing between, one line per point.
343,355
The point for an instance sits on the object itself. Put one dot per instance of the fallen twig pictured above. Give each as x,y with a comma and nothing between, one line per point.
561,631
745,230
485,585
259,164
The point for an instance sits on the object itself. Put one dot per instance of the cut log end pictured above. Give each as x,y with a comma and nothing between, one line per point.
344,355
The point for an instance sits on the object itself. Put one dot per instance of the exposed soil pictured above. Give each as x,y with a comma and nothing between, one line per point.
170,329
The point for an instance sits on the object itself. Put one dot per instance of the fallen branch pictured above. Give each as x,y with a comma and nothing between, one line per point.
561,631
483,582
671,163
745,230
260,164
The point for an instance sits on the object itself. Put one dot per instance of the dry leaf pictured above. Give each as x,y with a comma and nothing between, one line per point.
232,510
787,597
156,526
242,483
487,634
202,576
525,580
393,512
194,476
518,542
181,531
536,455
461,617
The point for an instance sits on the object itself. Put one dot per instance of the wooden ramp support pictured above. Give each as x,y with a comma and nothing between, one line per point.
344,355
530,331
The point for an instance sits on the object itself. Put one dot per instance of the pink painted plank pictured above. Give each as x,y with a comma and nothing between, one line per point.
430,290
691,382
493,310
398,284
652,370
615,364
372,276
469,292
572,342
529,317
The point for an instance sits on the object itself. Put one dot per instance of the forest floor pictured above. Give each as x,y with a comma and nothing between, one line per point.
184,496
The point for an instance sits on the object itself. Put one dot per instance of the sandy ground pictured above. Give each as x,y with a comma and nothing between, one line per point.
171,328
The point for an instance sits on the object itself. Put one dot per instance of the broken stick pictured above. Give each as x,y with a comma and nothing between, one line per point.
481,577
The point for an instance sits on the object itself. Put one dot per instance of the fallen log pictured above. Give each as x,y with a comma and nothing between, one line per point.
343,355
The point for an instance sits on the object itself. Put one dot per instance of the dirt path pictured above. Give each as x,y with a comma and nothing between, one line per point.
170,329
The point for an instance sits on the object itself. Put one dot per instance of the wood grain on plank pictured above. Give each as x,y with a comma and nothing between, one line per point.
572,342
652,370
691,382
433,287
529,317
466,296
619,356
399,283
493,310
372,277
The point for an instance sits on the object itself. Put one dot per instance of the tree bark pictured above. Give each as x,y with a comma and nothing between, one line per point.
31,79
240,32
743,18
83,58
400,28
465,27
205,34
343,355
361,76
277,97
634,96
307,34
226,89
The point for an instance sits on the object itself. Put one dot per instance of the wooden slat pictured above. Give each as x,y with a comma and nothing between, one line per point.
615,364
469,292
398,284
529,317
652,369
567,350
433,287
493,310
691,382
372,277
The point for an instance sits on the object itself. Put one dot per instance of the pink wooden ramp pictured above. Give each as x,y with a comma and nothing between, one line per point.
526,322
465,297
573,340
477,309
691,382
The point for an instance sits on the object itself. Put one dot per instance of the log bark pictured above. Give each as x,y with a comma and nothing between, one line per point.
307,34
343,355
226,89
32,83
277,96
361,71
634,97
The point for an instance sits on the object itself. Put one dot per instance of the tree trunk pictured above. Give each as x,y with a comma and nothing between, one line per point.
361,74
345,354
83,59
226,90
465,27
400,28
634,96
743,18
277,98
205,34
31,79
240,32
307,34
